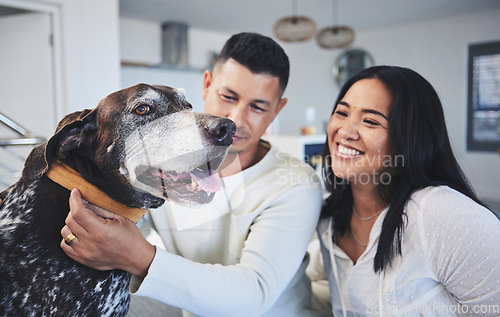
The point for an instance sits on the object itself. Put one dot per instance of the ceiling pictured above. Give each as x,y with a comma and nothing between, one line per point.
231,16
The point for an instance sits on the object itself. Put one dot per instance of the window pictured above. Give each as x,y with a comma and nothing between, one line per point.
483,120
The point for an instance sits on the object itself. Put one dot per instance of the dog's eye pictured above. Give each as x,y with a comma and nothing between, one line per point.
142,110
189,107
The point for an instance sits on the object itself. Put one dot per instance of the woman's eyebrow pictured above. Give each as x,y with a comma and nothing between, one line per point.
375,112
372,111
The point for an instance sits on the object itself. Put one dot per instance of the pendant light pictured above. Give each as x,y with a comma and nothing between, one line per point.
294,28
336,36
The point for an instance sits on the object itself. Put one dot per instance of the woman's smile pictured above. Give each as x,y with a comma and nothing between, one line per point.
347,152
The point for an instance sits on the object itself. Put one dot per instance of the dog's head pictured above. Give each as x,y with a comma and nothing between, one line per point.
140,145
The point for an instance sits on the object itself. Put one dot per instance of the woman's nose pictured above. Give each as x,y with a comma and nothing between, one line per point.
349,130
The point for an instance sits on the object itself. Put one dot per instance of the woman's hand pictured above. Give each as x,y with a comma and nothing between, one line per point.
104,240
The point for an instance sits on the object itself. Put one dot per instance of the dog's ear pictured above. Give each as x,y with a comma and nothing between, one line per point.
70,132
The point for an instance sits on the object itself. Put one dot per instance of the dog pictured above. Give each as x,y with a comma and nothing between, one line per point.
139,146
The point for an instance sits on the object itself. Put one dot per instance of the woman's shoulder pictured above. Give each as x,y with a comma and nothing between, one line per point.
443,203
439,194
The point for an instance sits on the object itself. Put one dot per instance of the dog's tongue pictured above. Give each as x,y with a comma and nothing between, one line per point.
208,181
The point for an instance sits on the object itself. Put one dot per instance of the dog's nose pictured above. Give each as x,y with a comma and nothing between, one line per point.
222,130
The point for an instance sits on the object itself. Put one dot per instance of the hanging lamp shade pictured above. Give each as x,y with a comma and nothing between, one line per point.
335,37
295,29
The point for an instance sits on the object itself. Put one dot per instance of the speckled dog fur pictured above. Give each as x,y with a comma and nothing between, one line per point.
36,277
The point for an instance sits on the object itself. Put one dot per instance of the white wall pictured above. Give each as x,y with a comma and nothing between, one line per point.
141,44
140,41
435,48
90,50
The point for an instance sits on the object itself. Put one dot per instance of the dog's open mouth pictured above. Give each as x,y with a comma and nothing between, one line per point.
198,185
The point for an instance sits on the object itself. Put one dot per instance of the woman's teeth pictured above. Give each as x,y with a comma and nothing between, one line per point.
351,152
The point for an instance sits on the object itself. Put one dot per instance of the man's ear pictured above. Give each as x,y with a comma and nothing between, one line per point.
281,104
207,81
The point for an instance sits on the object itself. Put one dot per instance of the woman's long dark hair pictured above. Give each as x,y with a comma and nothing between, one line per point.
418,136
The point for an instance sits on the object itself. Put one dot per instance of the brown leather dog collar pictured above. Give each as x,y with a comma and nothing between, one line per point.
69,179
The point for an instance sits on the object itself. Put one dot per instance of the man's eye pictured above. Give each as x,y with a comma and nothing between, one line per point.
255,107
341,113
142,110
228,98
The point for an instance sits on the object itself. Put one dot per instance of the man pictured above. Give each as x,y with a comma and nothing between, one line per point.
250,258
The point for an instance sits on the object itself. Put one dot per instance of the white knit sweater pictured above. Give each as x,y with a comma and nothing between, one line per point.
244,254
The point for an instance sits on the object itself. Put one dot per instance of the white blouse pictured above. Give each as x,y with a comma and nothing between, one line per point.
450,263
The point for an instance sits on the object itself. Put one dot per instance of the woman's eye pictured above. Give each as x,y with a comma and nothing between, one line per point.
371,122
142,110
341,113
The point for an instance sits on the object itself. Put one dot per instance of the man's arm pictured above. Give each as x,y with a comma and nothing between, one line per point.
105,240
271,254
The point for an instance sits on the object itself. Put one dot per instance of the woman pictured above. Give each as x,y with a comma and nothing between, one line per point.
402,232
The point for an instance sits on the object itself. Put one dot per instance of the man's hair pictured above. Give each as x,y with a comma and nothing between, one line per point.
259,53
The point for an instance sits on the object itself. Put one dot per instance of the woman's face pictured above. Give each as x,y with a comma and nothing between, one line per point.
358,133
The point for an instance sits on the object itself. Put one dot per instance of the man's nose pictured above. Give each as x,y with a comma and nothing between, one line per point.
237,114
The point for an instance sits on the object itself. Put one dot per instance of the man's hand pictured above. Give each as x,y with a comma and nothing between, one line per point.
104,240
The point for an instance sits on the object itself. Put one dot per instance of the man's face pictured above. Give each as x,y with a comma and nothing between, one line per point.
251,100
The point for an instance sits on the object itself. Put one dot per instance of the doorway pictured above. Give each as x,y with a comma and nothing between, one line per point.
30,81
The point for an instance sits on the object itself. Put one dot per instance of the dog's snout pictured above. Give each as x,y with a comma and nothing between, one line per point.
222,130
